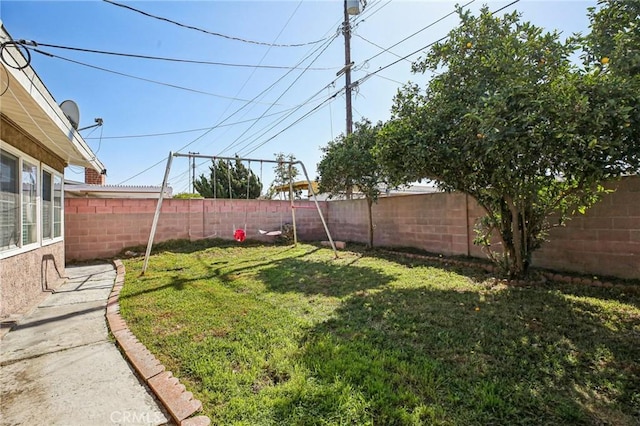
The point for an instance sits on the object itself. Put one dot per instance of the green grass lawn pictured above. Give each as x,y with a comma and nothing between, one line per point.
274,335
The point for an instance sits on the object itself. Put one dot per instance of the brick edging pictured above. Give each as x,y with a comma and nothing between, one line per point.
179,403
550,276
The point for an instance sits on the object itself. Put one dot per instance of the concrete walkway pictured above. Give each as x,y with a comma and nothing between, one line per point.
58,365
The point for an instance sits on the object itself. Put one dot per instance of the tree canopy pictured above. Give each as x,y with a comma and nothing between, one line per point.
225,176
283,174
512,122
349,161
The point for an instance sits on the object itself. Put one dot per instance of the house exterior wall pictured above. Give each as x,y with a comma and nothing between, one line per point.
101,228
25,275
27,278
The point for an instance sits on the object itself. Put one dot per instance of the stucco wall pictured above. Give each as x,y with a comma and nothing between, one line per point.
24,278
100,228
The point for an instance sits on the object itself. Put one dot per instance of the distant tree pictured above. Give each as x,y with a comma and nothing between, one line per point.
219,173
186,196
283,175
348,161
510,121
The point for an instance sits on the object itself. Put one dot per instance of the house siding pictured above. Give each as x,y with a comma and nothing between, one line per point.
27,277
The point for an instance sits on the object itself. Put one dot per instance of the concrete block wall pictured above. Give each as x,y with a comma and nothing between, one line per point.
101,228
432,222
605,241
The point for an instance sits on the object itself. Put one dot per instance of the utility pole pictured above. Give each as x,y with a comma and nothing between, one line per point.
346,30
193,171
351,7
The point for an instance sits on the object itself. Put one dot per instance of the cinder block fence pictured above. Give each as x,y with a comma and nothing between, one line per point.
605,241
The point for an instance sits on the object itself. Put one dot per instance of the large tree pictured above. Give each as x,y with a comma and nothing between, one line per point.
510,121
349,161
228,176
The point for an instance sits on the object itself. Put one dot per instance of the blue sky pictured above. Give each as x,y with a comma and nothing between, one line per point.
132,107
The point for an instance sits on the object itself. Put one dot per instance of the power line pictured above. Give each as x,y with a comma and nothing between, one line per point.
418,32
264,56
191,27
175,86
366,77
178,132
280,97
30,44
229,116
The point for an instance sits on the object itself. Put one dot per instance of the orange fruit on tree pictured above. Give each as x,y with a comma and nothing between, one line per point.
469,45
604,60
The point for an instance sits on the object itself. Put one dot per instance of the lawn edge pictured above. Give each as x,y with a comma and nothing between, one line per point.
547,275
177,401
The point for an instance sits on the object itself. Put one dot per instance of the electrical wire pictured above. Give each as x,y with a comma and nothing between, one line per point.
32,45
225,119
211,32
149,135
175,86
293,124
279,97
369,75
379,47
418,32
264,56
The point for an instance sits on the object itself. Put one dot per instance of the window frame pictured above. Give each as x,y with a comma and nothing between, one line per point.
53,238
41,168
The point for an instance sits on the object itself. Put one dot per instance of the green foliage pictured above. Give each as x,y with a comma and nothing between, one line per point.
284,174
615,35
266,335
512,123
349,161
186,196
220,174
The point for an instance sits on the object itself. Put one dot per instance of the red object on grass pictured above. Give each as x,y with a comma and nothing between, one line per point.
239,235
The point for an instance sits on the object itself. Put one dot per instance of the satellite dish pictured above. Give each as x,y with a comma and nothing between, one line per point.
71,111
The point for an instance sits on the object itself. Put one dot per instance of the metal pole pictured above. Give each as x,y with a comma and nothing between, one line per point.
293,209
156,216
315,200
346,30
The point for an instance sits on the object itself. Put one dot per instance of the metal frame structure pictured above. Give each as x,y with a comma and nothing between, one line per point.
156,216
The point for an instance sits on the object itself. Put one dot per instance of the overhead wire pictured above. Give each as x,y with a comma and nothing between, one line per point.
175,86
226,118
191,27
369,75
264,56
178,132
33,45
279,97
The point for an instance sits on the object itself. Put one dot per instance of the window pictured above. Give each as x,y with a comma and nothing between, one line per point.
29,203
31,197
47,210
9,202
57,206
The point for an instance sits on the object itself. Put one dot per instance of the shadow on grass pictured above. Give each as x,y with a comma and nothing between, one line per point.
520,356
324,278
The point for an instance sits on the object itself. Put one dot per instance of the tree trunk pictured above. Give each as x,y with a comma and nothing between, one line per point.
517,268
369,204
